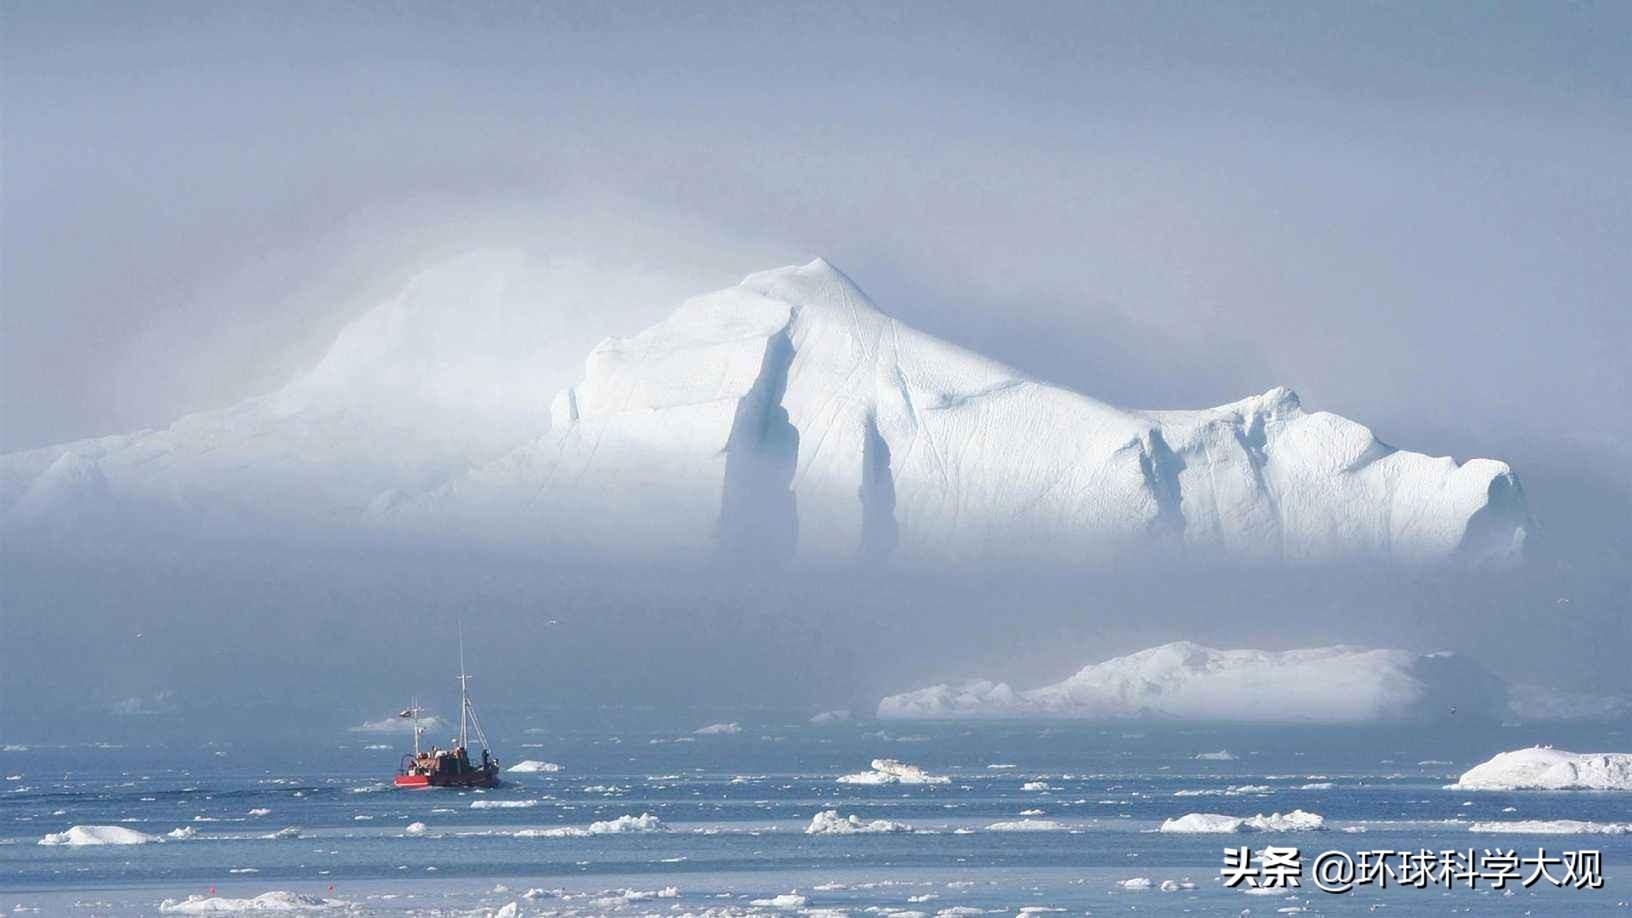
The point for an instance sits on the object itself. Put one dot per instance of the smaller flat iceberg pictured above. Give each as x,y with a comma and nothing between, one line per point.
1026,825
533,767
645,822
889,771
81,836
1190,682
1546,768
1210,823
829,822
275,901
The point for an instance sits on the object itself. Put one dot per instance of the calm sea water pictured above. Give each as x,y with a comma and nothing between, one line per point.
321,821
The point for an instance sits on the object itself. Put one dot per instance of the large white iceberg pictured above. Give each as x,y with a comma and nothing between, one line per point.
1187,681
786,417
1546,768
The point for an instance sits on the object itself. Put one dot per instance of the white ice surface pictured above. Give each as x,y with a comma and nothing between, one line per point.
1187,681
1546,768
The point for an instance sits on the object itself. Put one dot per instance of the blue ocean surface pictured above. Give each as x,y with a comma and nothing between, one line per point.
317,825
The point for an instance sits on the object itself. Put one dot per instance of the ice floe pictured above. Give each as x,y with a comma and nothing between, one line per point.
785,900
1026,825
533,767
829,822
645,822
275,901
731,729
890,771
1200,823
80,836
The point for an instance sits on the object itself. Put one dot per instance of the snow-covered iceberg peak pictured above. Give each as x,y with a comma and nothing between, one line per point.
790,416
784,418
1187,681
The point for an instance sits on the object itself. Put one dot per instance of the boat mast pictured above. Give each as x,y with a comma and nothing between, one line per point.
464,691
413,708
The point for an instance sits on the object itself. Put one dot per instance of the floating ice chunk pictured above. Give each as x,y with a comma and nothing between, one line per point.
829,822
1036,786
1295,821
533,767
1546,768
1135,883
260,811
731,729
414,829
831,717
284,833
785,900
645,822
1553,827
890,771
399,725
502,804
1222,755
1026,825
276,901
182,834
79,836
627,896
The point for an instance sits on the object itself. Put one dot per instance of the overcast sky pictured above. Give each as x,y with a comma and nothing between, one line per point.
1419,215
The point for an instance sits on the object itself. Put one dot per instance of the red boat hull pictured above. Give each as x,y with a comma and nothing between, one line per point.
477,778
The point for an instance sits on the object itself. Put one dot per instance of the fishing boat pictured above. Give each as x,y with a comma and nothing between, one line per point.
437,767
